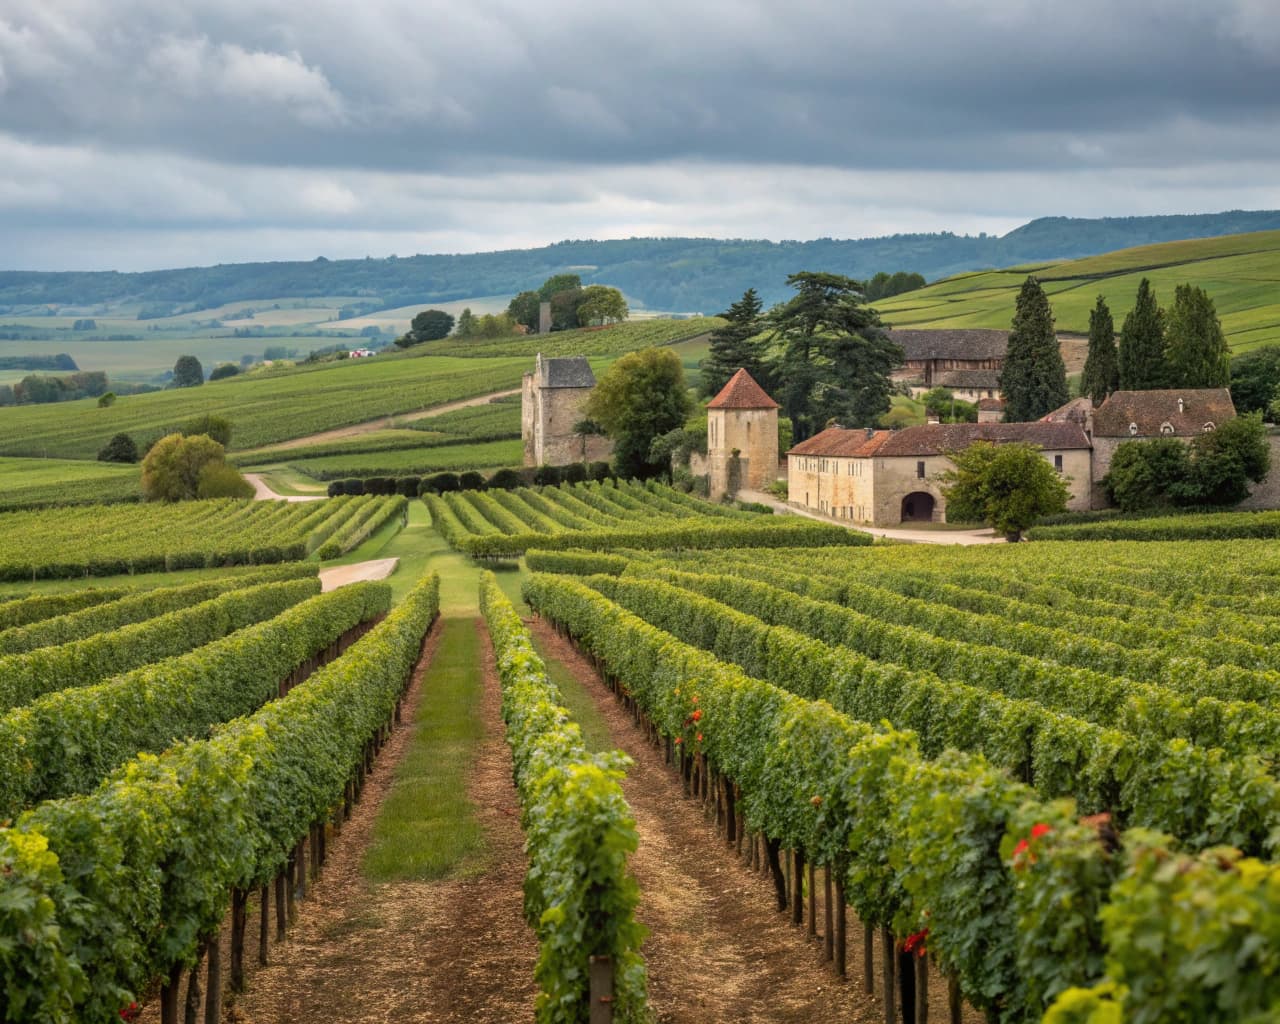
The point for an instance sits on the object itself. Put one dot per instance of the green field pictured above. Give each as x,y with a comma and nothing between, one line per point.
1240,272
262,409
65,482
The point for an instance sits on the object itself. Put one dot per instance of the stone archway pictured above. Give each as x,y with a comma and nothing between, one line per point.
917,507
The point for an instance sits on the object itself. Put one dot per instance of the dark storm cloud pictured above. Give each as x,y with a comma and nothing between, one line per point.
138,133
409,86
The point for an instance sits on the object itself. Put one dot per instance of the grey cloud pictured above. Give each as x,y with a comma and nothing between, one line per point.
400,84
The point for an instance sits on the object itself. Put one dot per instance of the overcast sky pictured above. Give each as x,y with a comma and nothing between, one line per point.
151,133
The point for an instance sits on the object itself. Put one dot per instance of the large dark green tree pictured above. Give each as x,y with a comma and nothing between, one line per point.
736,345
1142,366
187,372
1195,349
1255,379
429,325
1034,377
640,397
833,355
523,309
1101,366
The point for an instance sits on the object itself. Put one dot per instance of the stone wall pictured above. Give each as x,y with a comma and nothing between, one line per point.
547,419
754,433
843,490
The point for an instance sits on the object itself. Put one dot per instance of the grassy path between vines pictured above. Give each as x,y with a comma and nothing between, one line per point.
444,939
718,951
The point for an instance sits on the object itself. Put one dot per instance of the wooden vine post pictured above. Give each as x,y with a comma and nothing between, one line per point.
600,990
213,986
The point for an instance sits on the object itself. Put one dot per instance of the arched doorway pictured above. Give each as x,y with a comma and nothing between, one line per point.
917,507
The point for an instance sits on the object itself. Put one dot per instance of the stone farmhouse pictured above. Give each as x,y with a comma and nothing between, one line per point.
887,477
968,362
551,402
884,477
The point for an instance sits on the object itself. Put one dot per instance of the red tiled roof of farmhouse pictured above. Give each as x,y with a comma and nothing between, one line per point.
742,392
842,443
1187,411
941,438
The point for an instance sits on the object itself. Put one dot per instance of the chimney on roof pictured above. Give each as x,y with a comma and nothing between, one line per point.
1179,405
871,432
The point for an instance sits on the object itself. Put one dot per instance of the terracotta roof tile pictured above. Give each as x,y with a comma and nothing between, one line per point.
1151,410
940,438
742,392
843,443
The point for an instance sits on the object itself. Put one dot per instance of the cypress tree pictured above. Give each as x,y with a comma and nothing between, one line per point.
1101,369
1142,366
736,345
1195,349
1034,378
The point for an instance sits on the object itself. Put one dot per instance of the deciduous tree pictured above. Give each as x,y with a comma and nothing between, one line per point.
1255,379
1010,486
187,372
1195,349
600,304
1141,352
429,325
171,470
1101,366
640,397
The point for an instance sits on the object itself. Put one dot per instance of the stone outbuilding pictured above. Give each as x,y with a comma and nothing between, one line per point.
967,359
742,438
889,477
552,398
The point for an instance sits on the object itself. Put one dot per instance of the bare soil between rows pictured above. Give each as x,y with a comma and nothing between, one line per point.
452,950
718,949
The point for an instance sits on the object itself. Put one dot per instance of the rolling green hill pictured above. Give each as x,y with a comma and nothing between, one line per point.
681,274
281,404
1240,272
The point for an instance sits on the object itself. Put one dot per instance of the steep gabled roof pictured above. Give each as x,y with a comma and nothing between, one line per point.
1151,410
565,372
956,344
941,438
742,392
842,443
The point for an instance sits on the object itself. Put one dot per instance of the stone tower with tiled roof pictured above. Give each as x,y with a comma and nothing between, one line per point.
742,438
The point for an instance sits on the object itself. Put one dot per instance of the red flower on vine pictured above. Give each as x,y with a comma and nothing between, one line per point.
679,740
130,1012
1023,854
699,737
697,716
915,943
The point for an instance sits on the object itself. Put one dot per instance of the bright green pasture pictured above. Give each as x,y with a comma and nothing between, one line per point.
262,409
1240,272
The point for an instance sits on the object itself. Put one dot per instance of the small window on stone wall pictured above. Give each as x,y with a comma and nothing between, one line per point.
920,470
1057,463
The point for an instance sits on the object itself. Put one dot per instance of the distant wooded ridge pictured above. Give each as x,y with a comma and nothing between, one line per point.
676,274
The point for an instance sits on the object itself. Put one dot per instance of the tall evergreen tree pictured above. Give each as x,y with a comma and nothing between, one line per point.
1101,367
835,356
1034,378
1141,352
1195,349
736,345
